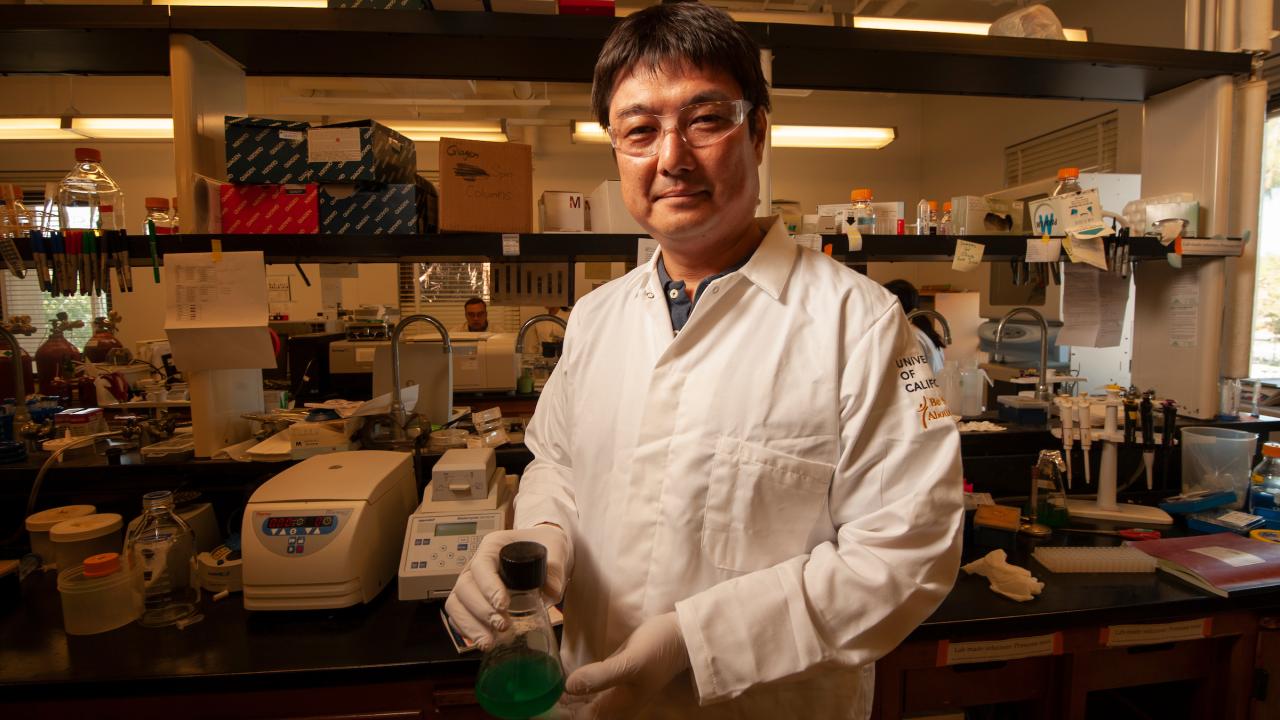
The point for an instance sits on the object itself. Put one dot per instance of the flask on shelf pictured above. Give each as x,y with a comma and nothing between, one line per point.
944,223
933,217
88,199
56,356
1068,182
520,675
1264,490
164,547
922,217
158,213
864,216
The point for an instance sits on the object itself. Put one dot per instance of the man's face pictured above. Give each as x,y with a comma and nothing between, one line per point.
477,317
685,195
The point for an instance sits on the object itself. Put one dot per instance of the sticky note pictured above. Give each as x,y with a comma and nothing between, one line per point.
1043,249
968,256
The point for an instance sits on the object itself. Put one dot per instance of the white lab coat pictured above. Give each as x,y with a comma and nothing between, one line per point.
795,495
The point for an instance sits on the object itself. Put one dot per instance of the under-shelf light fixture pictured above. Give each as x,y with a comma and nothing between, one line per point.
784,136
945,26
427,131
246,3
82,128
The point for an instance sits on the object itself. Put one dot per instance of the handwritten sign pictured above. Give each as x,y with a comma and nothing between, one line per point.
968,256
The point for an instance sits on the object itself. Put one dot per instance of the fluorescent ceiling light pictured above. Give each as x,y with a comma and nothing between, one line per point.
590,133
818,136
246,3
944,26
421,136
124,128
35,129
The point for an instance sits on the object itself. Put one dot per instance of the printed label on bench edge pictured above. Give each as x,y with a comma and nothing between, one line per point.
1152,633
959,653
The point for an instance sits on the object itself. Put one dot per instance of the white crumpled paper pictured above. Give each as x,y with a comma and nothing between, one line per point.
1008,580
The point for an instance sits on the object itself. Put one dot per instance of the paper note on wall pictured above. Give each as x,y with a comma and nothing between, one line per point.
1184,310
1043,249
1087,250
1093,305
645,248
216,312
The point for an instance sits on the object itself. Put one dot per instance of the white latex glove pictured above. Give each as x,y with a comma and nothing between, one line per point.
479,600
622,685
1011,581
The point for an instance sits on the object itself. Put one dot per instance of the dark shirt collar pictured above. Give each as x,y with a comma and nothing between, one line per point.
678,302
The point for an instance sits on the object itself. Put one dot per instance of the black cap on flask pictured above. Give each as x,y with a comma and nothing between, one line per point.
523,565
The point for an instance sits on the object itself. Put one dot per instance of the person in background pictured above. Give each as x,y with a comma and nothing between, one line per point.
930,341
477,311
741,523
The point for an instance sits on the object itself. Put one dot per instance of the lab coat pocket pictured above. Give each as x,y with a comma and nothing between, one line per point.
761,505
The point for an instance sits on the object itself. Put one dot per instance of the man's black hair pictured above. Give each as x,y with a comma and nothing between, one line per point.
475,301
663,36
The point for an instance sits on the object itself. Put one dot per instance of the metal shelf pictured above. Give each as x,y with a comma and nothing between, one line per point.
127,40
582,247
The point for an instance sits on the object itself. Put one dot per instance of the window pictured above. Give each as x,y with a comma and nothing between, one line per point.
24,297
440,289
1265,355
1090,145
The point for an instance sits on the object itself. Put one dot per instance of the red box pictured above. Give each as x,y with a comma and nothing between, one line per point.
585,7
271,209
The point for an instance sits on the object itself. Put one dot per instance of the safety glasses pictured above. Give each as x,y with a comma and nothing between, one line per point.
699,125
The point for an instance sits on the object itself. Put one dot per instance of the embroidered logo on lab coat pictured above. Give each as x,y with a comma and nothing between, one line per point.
931,407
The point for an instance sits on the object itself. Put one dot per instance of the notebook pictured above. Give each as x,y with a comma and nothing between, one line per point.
1221,563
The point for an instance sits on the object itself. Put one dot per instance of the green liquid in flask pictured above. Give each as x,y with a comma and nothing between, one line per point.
521,685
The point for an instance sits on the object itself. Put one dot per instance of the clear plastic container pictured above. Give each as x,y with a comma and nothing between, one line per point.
922,217
82,537
1217,459
864,215
520,675
39,524
944,223
88,199
176,449
489,427
1068,182
164,547
1264,488
157,213
100,595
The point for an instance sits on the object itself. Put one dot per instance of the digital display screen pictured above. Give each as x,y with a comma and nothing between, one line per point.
300,521
456,529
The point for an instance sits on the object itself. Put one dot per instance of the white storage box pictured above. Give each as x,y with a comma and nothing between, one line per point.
561,211
608,213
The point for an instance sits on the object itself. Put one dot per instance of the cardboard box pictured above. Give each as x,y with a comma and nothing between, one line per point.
379,4
263,151
486,186
973,215
607,213
360,151
562,211
270,209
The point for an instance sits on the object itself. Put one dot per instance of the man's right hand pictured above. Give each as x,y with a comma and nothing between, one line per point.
479,599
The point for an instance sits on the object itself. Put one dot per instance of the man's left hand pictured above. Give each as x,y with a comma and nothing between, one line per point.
623,684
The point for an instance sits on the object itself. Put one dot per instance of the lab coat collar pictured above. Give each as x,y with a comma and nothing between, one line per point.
768,268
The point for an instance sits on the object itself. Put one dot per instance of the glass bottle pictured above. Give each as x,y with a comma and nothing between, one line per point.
520,675
864,216
1068,182
944,225
88,199
933,217
157,213
164,546
1264,490
922,217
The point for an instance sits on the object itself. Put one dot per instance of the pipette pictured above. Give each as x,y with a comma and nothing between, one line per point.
1146,410
1086,434
1065,410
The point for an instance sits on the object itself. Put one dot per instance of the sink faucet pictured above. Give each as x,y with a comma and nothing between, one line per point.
542,317
398,415
1042,382
946,327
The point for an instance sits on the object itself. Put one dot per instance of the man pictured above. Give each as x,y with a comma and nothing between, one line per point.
741,522
477,311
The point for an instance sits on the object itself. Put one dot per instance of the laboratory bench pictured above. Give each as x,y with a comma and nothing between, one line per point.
394,659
